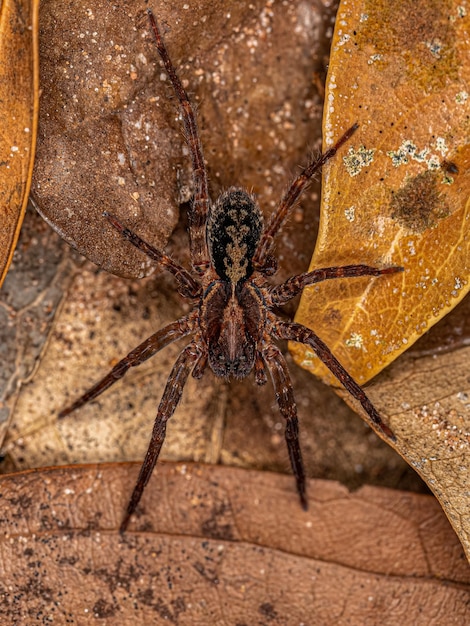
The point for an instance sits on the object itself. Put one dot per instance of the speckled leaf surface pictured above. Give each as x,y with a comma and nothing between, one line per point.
110,137
19,94
204,550
399,193
424,397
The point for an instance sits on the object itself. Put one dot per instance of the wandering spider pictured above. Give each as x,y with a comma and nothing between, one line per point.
233,320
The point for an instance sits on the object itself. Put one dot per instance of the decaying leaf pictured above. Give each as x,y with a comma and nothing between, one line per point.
425,398
110,136
40,273
205,550
19,92
400,192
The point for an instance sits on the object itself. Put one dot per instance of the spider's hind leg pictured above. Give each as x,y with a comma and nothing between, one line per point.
185,363
293,193
292,331
277,368
200,208
144,351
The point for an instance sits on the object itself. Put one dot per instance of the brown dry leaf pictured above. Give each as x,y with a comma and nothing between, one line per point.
424,396
110,136
203,550
19,93
399,193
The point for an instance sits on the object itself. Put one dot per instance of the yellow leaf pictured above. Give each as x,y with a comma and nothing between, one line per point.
399,193
19,77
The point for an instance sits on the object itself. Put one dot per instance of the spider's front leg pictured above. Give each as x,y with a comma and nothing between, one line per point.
185,363
200,206
277,367
296,332
281,294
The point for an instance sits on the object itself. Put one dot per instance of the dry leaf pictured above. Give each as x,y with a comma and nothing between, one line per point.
425,398
41,271
19,77
399,193
203,550
249,72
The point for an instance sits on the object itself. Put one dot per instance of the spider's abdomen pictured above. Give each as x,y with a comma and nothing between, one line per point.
233,232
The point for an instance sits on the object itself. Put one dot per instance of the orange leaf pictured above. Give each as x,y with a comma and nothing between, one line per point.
19,77
399,194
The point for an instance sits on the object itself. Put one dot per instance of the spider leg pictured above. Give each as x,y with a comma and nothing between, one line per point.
292,286
144,351
200,206
188,287
170,399
296,188
277,367
296,332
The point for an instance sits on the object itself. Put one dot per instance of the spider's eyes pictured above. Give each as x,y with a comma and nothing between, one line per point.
222,358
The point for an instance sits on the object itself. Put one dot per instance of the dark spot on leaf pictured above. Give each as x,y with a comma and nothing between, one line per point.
268,610
103,609
419,204
217,526
206,572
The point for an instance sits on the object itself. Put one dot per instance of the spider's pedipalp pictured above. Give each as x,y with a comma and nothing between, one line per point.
281,294
144,351
260,370
201,201
186,361
301,334
277,367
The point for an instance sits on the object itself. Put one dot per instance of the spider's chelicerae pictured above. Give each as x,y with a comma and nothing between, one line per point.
233,322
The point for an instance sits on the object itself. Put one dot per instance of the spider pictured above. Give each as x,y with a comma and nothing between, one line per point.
233,321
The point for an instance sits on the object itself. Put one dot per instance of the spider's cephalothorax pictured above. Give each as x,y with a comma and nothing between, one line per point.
233,321
231,307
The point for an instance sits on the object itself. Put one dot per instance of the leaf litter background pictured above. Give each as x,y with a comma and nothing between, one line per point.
104,316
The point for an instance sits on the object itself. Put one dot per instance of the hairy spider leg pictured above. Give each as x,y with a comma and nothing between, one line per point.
296,188
144,351
277,367
186,361
187,285
201,202
292,331
281,294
